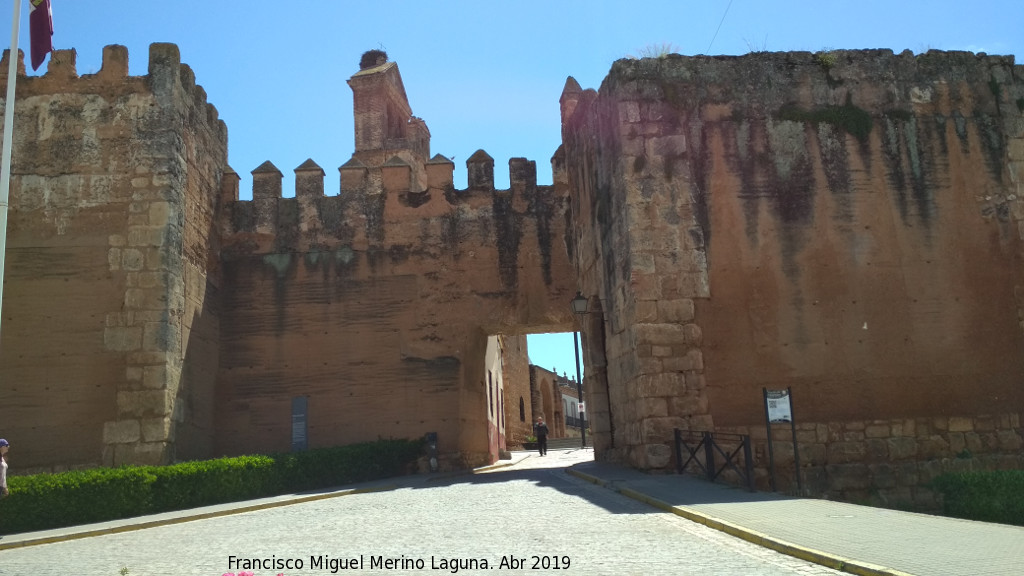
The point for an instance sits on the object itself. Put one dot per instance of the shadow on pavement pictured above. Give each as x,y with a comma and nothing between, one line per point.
675,490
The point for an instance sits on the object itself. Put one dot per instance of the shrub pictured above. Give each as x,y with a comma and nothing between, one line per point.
45,501
192,484
993,496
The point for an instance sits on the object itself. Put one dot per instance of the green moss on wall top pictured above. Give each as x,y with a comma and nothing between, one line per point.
849,118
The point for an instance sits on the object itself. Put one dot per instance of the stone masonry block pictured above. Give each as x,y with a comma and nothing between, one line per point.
666,384
848,476
121,432
160,336
656,456
693,334
934,446
159,212
141,403
957,424
154,377
902,448
647,311
806,436
157,430
680,311
666,334
877,449
660,429
114,258
692,360
142,454
702,422
1015,150
652,407
984,424
145,280
1009,440
812,454
843,452
122,339
688,404
144,299
131,259
877,431
957,442
695,380
146,235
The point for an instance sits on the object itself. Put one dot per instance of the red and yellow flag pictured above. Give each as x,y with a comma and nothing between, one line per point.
40,28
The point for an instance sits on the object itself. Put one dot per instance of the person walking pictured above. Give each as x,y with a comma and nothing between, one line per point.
540,430
4,447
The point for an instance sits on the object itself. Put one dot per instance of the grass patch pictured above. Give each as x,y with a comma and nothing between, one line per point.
992,496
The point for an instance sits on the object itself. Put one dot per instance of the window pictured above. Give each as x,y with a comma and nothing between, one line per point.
522,410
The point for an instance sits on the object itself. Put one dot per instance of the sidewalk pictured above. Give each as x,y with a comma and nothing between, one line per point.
847,537
178,516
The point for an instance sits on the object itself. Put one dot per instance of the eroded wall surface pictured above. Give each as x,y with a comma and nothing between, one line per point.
376,302
846,224
102,266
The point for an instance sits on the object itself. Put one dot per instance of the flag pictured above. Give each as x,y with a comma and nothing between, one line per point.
40,28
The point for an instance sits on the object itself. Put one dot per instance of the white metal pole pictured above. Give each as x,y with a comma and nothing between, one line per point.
5,165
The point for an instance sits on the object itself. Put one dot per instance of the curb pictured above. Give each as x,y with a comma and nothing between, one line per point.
187,518
88,533
820,557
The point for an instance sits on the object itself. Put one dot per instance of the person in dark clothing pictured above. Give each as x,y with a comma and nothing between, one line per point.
540,430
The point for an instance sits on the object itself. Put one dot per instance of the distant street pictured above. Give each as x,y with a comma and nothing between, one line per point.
531,518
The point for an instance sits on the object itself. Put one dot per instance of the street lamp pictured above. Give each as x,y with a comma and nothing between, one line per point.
579,304
579,307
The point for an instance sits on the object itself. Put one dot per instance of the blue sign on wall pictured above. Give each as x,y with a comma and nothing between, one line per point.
300,405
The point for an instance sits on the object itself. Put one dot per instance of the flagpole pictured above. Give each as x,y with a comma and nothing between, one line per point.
5,165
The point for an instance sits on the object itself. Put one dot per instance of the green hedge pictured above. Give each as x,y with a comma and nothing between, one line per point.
994,496
45,501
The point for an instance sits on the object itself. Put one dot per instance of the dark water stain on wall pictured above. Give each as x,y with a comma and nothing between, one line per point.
542,208
508,232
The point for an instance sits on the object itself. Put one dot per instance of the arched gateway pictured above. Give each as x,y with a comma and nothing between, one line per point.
770,221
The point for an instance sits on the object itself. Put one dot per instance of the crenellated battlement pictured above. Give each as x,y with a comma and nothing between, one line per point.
108,118
166,74
372,201
396,176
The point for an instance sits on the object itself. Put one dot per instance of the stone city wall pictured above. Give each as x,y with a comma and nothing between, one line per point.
884,462
94,337
376,302
844,223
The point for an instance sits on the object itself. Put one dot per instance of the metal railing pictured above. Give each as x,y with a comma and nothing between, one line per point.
575,422
709,444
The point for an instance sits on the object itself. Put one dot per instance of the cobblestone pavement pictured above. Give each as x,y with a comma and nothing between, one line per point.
534,515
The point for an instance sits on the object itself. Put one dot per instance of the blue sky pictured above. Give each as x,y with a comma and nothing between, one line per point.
483,75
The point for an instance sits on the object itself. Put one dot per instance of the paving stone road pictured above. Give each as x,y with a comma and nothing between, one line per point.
534,515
